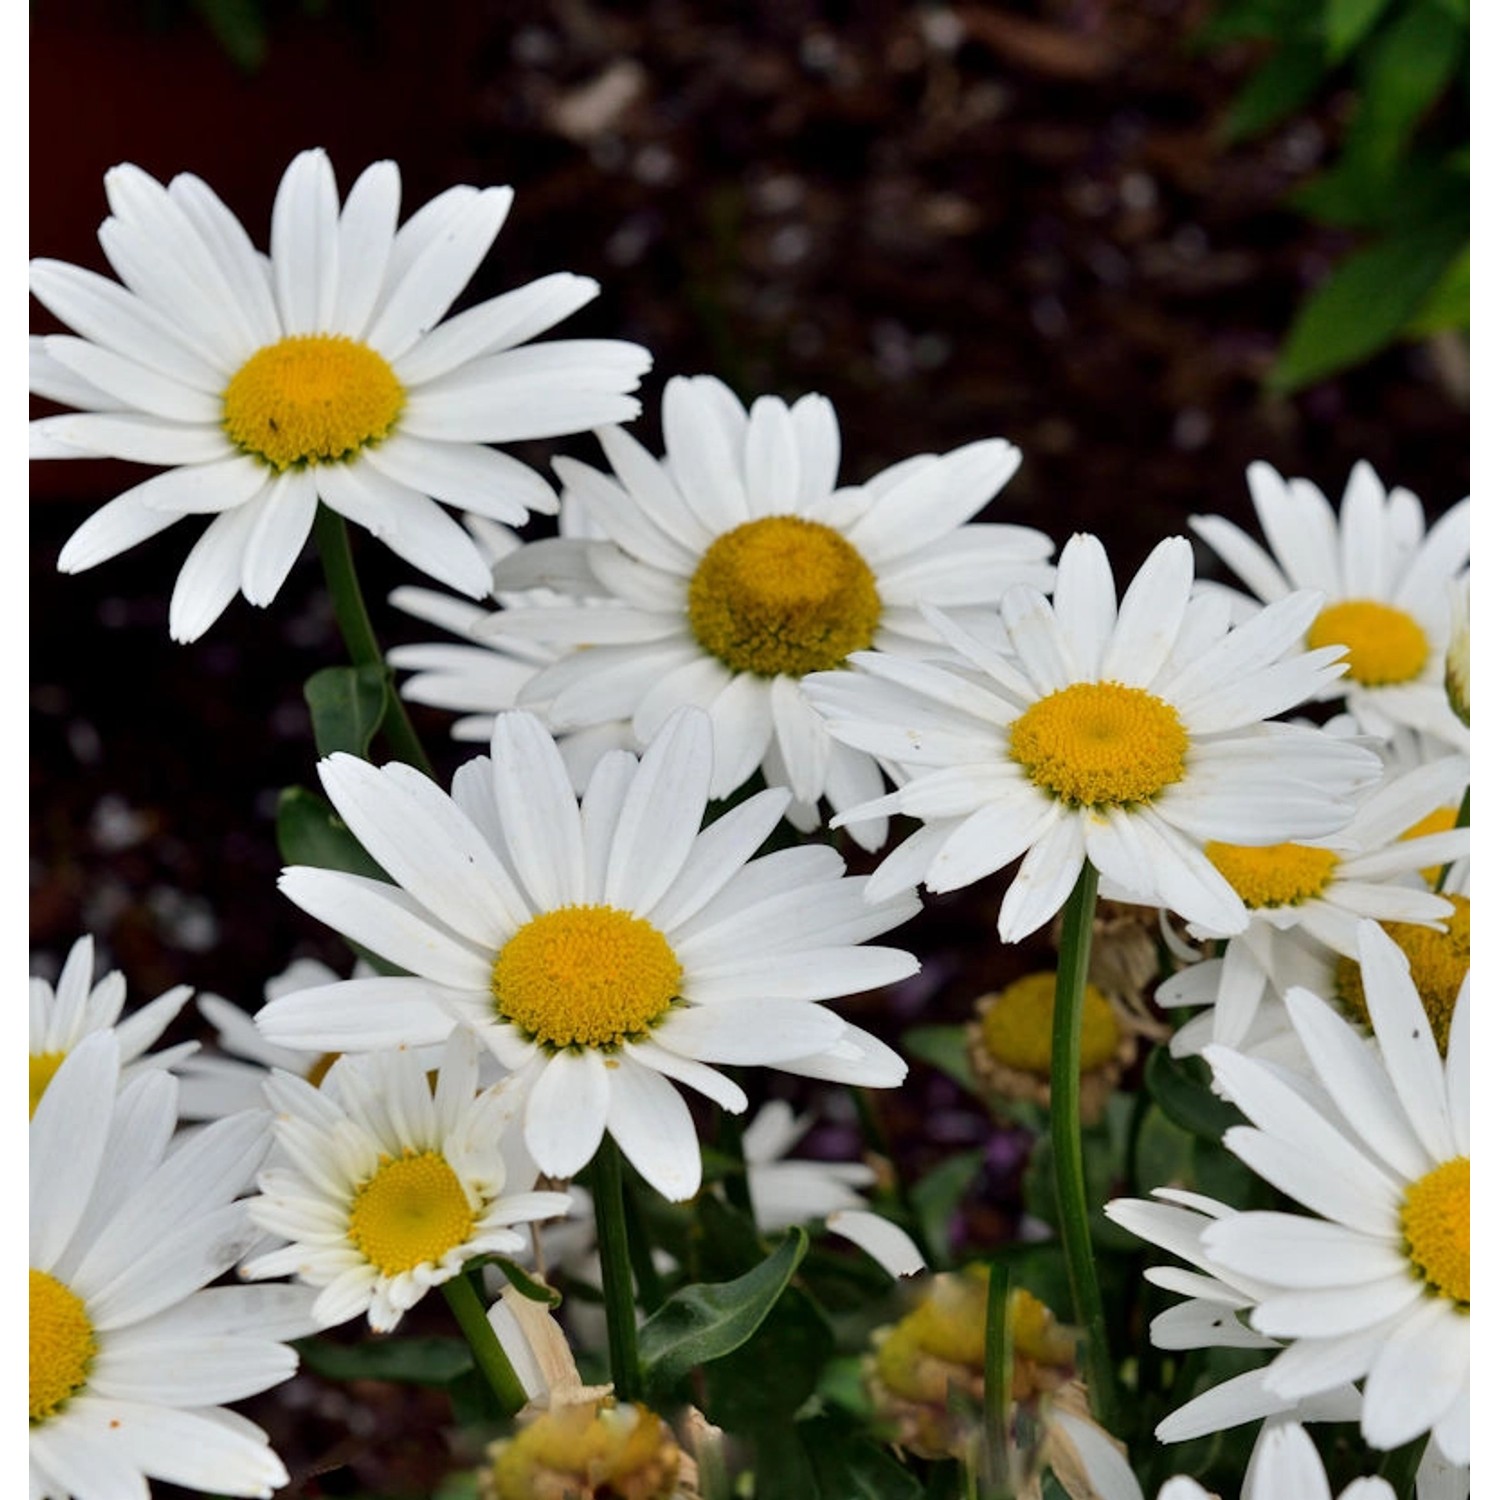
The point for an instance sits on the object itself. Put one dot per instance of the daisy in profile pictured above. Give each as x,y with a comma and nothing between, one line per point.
393,1182
1385,580
322,373
1123,735
599,950
132,1354
734,567
62,1017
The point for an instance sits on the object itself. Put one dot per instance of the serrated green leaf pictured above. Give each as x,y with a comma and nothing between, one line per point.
1447,306
1278,89
1347,23
1180,1086
704,1322
347,705
943,1048
309,832
935,1199
406,1361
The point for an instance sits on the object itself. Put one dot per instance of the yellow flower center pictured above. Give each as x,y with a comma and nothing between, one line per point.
1100,744
591,1450
1439,820
1276,875
1017,1026
411,1212
43,1066
1439,959
1435,1222
1384,644
62,1345
313,398
585,976
783,596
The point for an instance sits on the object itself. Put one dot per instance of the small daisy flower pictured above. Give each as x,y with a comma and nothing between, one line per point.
132,1353
394,1182
1123,736
265,385
788,1190
598,950
1375,1287
1384,578
61,1018
734,567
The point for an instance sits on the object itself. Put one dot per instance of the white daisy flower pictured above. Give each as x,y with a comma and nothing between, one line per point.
1384,577
393,1183
599,950
1126,737
786,1190
266,384
734,568
130,1355
62,1017
1284,1465
1377,1286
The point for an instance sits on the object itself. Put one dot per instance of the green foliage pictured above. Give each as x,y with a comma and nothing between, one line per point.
309,832
943,1048
1180,1086
935,1200
407,1361
347,705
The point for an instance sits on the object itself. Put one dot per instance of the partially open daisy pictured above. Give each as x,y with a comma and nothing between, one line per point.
1125,736
734,568
131,1357
61,1018
393,1183
1385,581
267,385
599,950
1376,1286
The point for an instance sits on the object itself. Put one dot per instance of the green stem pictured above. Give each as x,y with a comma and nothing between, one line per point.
1399,1467
359,635
732,1144
647,1278
998,1363
488,1355
614,1261
1067,1144
1461,821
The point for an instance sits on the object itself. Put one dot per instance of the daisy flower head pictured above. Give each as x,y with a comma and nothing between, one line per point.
599,949
1385,579
1284,1462
62,1016
132,1353
735,566
324,372
1374,1284
1125,735
393,1182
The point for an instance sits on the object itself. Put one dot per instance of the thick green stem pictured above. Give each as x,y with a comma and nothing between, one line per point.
614,1261
359,635
488,1355
998,1364
1067,1144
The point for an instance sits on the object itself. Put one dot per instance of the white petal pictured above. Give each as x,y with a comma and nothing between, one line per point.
1420,1369
210,577
366,232
654,1129
304,244
284,519
885,1242
762,1033
566,1112
538,811
359,1015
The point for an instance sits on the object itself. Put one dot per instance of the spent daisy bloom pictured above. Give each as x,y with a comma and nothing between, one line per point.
734,566
63,1016
599,949
393,1182
1385,579
1125,736
324,372
132,1353
1374,1286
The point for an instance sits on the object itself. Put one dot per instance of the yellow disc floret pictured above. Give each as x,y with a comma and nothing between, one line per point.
412,1212
591,1450
783,596
585,976
43,1066
1017,1025
316,398
1385,644
62,1345
1435,1224
1276,874
1100,744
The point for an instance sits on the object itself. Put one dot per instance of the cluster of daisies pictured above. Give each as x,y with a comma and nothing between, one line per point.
604,909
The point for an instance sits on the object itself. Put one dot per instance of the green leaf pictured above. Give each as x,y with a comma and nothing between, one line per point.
1163,1152
347,705
936,1197
407,1361
309,832
943,1048
1180,1086
1347,22
1281,87
1364,304
523,1281
239,28
771,1375
704,1322
850,1465
1447,306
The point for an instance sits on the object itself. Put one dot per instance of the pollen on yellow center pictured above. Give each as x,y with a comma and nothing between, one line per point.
412,1211
1275,875
1439,959
1435,1223
43,1066
783,596
1100,744
1385,644
316,398
1017,1025
585,976
62,1345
